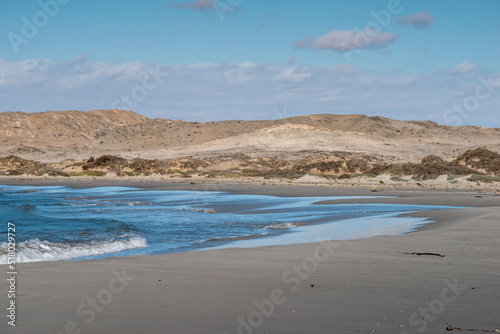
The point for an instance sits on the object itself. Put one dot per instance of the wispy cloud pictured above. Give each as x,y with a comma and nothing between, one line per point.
292,76
216,91
348,40
346,69
401,82
419,20
464,67
217,6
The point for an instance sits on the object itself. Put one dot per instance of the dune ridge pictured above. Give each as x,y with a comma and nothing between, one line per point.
300,149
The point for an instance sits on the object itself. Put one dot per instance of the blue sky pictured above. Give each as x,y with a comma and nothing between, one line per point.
254,59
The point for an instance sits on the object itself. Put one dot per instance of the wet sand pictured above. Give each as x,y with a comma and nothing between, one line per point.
357,286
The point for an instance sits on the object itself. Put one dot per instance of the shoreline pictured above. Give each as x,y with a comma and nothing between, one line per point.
365,285
417,196
426,197
382,183
396,222
281,187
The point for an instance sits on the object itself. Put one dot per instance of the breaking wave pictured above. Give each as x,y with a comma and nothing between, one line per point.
35,250
281,225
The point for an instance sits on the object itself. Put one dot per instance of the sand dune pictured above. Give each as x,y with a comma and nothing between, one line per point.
60,144
76,135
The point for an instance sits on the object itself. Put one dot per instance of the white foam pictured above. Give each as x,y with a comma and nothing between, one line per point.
138,203
281,225
35,250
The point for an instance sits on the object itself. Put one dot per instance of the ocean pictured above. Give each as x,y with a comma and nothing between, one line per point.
63,223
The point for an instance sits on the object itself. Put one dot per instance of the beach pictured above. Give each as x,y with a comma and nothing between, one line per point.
378,284
249,167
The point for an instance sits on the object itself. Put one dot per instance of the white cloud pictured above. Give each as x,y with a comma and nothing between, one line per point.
202,65
248,64
216,91
290,75
496,80
464,67
346,69
401,82
238,76
347,40
77,72
419,20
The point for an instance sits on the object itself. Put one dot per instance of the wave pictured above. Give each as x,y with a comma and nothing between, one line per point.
139,203
281,225
35,250
111,203
199,210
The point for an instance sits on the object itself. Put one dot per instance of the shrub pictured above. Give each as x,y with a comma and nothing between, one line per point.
112,162
139,164
57,173
481,158
355,165
431,159
484,178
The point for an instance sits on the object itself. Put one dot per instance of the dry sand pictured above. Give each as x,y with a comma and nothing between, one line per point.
56,136
358,286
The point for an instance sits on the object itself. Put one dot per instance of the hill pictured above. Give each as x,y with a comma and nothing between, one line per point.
54,136
401,140
59,129
334,148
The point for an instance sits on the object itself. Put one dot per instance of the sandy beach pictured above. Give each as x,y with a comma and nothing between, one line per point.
358,286
249,167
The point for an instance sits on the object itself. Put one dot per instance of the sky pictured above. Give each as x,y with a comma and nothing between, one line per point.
207,60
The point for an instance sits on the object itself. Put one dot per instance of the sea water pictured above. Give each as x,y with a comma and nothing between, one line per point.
63,223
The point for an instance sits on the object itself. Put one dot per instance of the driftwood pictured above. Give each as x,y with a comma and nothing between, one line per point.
451,328
417,253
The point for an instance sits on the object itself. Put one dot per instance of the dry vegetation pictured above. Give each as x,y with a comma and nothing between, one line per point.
481,163
333,147
481,159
